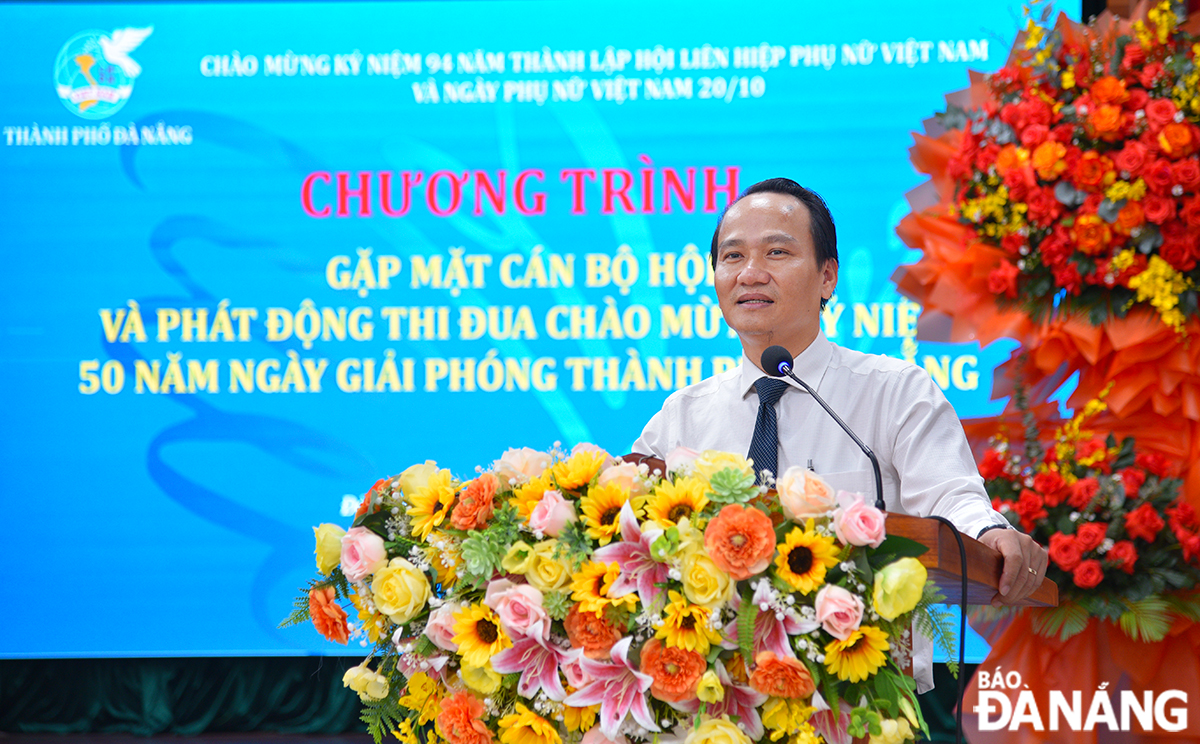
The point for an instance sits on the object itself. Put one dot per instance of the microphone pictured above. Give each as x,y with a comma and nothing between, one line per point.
777,362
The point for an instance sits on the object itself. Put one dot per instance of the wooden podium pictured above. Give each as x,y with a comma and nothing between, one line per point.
942,560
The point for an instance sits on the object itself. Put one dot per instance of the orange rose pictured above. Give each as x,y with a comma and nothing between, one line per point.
1091,234
785,678
1177,140
1130,216
461,720
1094,172
1104,122
1011,158
1048,160
675,671
328,618
595,635
740,541
1109,89
475,504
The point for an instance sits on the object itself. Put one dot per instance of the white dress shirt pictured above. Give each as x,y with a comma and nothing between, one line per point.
895,409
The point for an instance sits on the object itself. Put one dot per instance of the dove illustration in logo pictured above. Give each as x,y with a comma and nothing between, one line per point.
94,73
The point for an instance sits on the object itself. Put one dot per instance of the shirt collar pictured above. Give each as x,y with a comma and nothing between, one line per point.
810,366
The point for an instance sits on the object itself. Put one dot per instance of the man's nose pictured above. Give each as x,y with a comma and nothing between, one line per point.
754,271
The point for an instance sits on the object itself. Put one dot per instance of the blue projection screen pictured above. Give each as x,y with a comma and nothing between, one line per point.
258,255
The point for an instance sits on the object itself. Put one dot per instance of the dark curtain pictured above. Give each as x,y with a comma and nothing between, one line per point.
187,697
177,696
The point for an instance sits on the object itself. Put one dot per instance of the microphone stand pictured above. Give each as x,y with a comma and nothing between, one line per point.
785,367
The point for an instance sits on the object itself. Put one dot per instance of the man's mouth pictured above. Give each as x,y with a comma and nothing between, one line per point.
755,300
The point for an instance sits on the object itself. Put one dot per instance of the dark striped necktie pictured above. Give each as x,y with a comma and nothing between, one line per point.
764,447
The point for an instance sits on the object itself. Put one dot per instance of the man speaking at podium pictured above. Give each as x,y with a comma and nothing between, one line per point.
775,256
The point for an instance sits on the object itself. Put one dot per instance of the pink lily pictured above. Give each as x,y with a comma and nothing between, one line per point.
639,572
536,660
618,688
770,632
834,729
740,702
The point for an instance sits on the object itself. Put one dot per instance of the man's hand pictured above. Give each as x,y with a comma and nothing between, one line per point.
1024,564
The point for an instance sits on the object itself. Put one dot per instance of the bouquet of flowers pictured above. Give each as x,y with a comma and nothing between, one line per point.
1123,546
1081,169
567,597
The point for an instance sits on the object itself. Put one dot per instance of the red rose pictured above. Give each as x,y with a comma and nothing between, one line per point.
1034,135
1133,480
1093,448
1003,279
1064,551
1044,208
1186,173
1153,462
1190,213
1082,492
992,466
1067,277
1134,57
1051,486
1179,254
1158,176
1130,217
1159,113
1088,574
1123,555
1191,547
1138,99
986,157
1150,73
1030,508
1158,209
1090,535
1144,522
1063,133
1131,158
1182,516
1094,172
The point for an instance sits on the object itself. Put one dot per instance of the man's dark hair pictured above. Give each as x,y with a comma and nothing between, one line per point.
820,221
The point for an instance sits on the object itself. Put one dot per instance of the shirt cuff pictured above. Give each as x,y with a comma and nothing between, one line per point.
990,527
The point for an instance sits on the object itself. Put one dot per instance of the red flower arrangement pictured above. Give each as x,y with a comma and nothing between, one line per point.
1123,546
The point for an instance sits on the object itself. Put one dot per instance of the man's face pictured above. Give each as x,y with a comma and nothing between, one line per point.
767,279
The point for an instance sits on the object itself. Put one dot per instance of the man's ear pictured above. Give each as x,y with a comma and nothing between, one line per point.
829,277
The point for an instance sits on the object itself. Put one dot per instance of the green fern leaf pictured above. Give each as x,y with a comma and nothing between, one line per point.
1147,620
1064,621
745,626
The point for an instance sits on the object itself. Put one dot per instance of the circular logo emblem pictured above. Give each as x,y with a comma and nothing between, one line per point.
94,73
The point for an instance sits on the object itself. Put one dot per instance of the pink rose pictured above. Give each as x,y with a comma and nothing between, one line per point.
626,476
551,514
856,522
519,607
440,627
520,465
838,611
681,459
363,553
573,669
803,494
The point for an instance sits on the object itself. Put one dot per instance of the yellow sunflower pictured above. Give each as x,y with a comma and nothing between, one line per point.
685,626
445,560
373,622
671,502
590,586
527,496
431,505
601,509
478,634
577,471
859,656
804,557
527,727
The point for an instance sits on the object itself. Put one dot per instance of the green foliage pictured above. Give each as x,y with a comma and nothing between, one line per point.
383,716
732,486
1147,620
557,604
482,550
745,627
895,547
1064,621
575,542
937,623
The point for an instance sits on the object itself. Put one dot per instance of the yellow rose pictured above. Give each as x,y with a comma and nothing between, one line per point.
483,680
717,731
711,462
546,573
329,547
415,477
709,688
704,583
898,587
400,590
894,731
368,684
518,559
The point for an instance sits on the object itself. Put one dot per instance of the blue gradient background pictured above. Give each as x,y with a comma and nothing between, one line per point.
181,524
